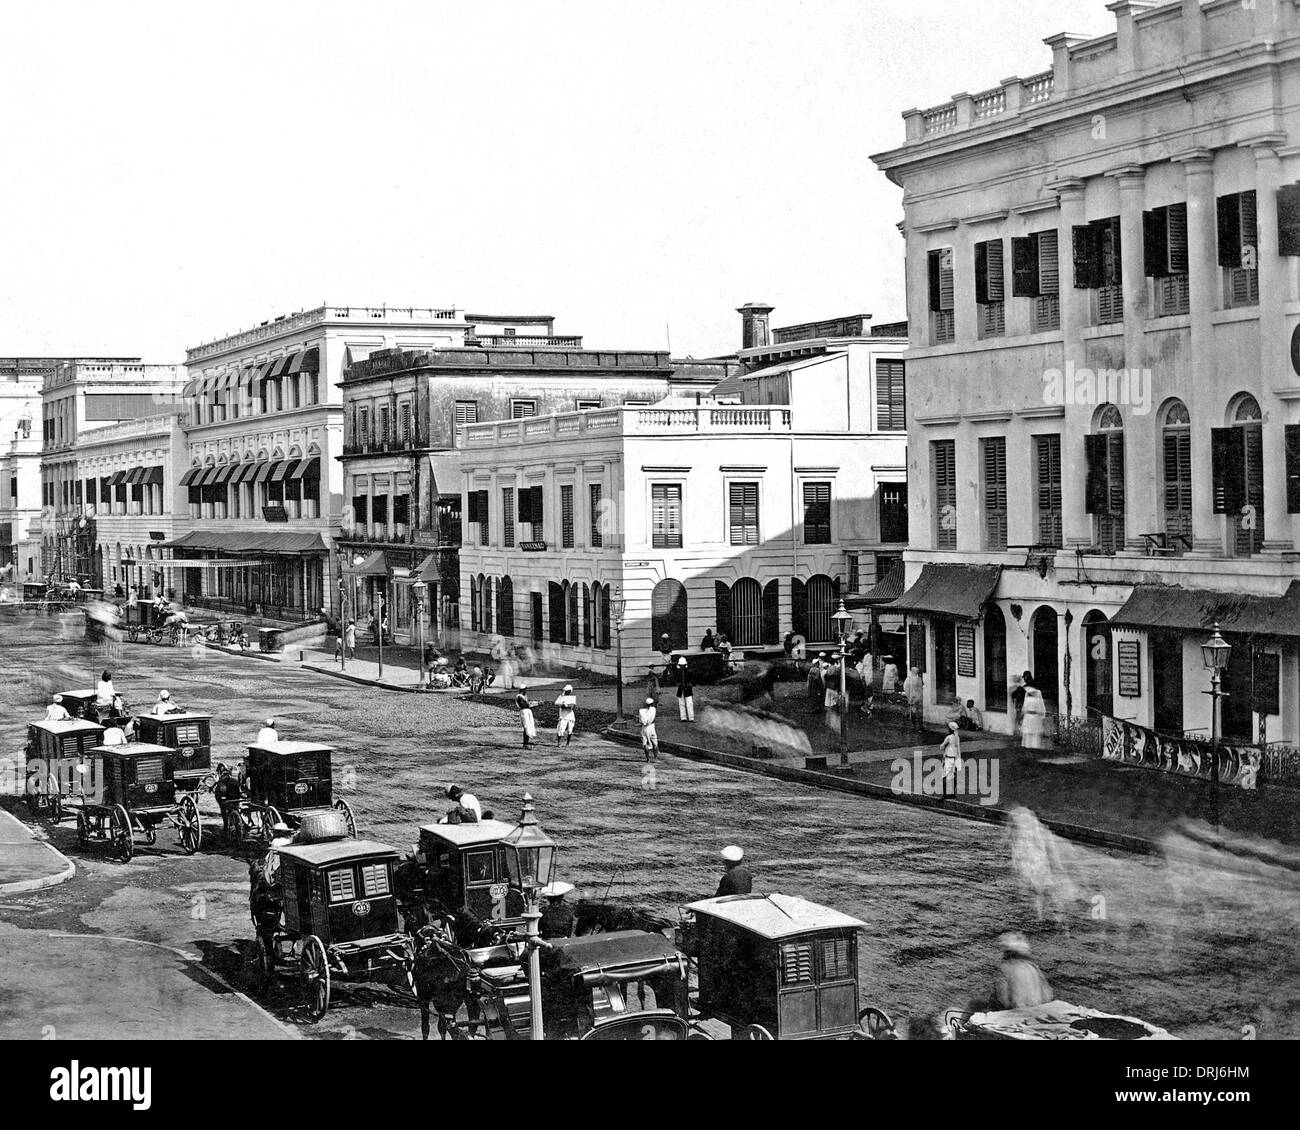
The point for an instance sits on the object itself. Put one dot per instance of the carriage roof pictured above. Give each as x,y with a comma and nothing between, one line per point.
177,716
67,726
774,916
336,851
470,835
620,956
78,694
288,748
133,750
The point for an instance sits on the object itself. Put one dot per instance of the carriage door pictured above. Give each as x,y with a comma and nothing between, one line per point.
818,985
480,878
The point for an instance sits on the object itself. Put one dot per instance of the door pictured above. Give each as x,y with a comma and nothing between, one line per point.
995,659
535,609
1167,681
1237,709
1097,664
1046,657
945,659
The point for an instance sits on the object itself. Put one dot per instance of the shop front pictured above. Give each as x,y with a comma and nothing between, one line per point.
279,575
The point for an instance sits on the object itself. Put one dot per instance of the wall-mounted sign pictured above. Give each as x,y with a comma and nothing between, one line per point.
965,652
157,535
426,537
275,513
533,546
1129,655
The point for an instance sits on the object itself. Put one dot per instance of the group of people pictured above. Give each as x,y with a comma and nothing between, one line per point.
567,719
1031,711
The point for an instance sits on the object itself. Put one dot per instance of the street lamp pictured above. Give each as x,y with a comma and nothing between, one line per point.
618,608
843,622
1214,654
418,591
343,621
530,863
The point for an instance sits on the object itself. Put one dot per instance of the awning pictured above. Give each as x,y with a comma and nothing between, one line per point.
153,476
224,472
882,592
376,565
282,469
213,562
119,477
428,570
209,477
246,472
950,590
1197,610
307,469
191,387
264,471
251,541
280,364
135,476
310,360
188,479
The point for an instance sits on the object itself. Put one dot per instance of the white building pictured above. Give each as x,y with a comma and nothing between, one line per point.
1103,278
20,467
748,517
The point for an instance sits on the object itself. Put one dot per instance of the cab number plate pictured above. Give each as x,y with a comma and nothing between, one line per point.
187,751
151,788
300,787
498,890
360,909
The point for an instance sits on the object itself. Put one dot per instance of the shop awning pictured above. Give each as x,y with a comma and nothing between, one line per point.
280,365
950,590
209,477
190,477
135,476
1197,610
375,565
264,472
428,570
224,472
310,360
119,477
283,468
246,472
153,476
307,469
882,592
251,541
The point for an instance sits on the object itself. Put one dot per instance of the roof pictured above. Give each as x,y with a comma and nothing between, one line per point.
250,541
775,916
284,749
77,694
950,590
180,716
69,726
375,565
1172,606
466,835
733,384
621,955
134,749
882,592
336,851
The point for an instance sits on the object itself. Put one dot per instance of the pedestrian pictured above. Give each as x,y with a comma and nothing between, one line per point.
950,748
227,792
558,919
816,683
1019,983
649,735
736,879
567,702
350,639
709,642
525,706
1033,716
685,692
972,718
914,692
1018,688
268,734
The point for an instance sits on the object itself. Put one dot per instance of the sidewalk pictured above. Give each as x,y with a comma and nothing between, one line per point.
28,863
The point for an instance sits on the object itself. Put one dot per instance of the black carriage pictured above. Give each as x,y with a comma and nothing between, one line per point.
337,919
188,735
54,750
129,789
293,781
463,887
83,704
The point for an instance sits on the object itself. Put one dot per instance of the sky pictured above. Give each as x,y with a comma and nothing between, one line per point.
172,173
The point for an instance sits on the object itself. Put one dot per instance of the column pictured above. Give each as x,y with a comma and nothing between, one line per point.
1200,390
1193,27
1075,521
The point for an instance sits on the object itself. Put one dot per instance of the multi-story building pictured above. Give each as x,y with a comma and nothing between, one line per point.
1103,280
264,420
79,398
749,517
20,466
402,475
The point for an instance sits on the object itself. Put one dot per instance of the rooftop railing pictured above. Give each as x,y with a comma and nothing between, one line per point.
704,419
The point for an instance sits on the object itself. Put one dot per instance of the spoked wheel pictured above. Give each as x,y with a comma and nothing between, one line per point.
876,1023
120,834
315,977
346,809
189,825
754,1032
83,831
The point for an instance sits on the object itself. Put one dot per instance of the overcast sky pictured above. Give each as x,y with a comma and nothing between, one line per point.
175,172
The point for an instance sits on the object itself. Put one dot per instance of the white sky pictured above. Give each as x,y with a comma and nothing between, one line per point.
170,172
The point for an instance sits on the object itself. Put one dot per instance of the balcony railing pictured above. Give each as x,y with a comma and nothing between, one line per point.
628,421
532,341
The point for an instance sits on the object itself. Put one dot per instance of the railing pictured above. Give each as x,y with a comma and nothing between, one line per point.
529,340
630,421
304,318
941,119
1038,88
990,103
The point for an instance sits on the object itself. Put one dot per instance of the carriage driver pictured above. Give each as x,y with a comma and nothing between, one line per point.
227,792
282,836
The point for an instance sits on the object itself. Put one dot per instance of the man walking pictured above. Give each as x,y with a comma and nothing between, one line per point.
525,706
685,692
567,703
649,735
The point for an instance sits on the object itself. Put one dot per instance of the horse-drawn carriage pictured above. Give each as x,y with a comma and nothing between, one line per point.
290,781
1055,1020
188,735
333,918
84,704
125,789
54,750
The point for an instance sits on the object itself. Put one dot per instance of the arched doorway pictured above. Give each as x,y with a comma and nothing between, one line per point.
995,659
1104,491
746,613
1176,476
668,614
1097,664
506,607
1045,651
821,595
1246,463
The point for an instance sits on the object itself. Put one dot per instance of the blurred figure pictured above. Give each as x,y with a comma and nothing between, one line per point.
1032,720
56,712
950,748
1019,983
685,692
558,918
889,677
268,734
971,717
914,691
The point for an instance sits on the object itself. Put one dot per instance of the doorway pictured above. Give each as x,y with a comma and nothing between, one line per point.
1046,657
945,659
995,659
535,610
1098,664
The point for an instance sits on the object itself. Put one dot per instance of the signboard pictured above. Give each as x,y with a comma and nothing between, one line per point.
275,514
157,535
1129,655
965,652
426,537
533,546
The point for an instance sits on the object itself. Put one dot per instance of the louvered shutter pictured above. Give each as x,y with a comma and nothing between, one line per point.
1049,263
1288,219
1096,487
982,273
799,607
1229,227
525,505
1228,469
1177,485
744,513
537,506
995,492
946,279
935,289
1087,256
1155,244
772,612
1024,267
1249,232
586,615
555,600
1293,468
1115,472
566,517
1110,247
996,284
1176,228
471,499
722,607
483,506
890,396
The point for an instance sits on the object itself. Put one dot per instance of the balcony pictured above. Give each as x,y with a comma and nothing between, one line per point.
387,447
530,341
705,420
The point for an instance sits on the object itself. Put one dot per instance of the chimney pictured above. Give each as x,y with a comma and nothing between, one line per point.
753,324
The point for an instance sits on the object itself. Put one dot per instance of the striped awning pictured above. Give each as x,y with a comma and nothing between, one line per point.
153,476
119,477
135,476
209,477
190,477
246,472
264,471
282,469
310,360
280,365
307,468
225,471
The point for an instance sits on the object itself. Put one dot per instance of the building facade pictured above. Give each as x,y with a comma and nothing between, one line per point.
1103,280
21,379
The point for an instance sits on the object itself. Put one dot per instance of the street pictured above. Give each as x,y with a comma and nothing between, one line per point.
1205,955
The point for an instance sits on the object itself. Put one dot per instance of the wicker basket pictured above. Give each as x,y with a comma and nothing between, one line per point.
318,827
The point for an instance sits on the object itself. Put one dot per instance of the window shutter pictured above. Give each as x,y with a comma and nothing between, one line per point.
1249,232
1087,256
525,505
1176,216
1024,267
586,615
1096,488
1049,263
566,517
935,301
1228,468
1115,471
1288,219
799,607
982,273
772,612
1293,468
1155,244
945,279
1110,251
722,607
471,500
1178,484
997,282
1229,231
483,506
537,506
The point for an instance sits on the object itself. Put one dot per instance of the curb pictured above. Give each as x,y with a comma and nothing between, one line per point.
362,680
20,886
819,779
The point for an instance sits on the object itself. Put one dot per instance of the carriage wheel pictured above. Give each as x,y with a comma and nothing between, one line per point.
55,798
189,825
120,834
346,809
315,977
754,1032
876,1023
83,831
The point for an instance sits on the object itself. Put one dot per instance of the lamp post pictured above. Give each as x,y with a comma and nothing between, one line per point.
843,622
530,863
1215,653
618,608
418,591
343,621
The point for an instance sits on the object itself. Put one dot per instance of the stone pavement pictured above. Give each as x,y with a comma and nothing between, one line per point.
27,862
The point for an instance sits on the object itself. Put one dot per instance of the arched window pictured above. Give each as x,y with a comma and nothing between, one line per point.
485,603
571,611
473,603
822,595
506,607
1239,475
995,659
557,599
1104,492
1045,653
602,618
668,614
746,613
1176,476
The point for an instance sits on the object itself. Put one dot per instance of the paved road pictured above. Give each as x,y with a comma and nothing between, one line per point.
1202,952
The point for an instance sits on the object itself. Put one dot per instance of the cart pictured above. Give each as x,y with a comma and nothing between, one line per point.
1056,1020
125,789
338,919
82,704
292,781
54,749
188,737
778,967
